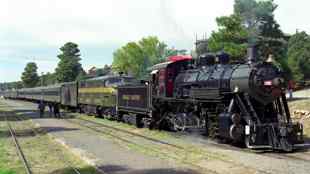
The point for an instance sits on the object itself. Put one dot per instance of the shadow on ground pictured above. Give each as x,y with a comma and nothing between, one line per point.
115,169
298,98
35,131
22,115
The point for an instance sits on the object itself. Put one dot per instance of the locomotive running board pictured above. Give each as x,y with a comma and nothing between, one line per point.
302,145
295,146
259,147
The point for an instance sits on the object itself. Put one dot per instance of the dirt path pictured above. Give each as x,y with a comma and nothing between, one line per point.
112,157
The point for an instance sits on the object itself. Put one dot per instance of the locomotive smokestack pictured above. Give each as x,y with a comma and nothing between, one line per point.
252,54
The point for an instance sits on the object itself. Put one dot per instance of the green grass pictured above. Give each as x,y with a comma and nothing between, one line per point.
7,172
9,160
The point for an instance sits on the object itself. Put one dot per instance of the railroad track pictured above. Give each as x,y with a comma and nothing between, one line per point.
226,146
297,156
111,131
105,129
18,148
154,140
22,156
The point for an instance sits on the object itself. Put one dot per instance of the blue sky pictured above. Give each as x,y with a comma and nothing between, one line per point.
33,30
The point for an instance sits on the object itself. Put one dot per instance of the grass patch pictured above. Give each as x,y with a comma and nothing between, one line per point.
9,160
7,172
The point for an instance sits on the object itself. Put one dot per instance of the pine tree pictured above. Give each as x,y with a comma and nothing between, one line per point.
69,66
30,76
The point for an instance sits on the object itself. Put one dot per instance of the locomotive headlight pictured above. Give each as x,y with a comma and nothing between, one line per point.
275,82
268,83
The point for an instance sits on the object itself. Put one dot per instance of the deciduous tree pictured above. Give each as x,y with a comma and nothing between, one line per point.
253,22
299,56
135,57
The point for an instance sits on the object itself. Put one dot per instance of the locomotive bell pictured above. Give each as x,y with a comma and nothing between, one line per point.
270,59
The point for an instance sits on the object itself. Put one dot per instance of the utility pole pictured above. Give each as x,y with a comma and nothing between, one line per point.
42,76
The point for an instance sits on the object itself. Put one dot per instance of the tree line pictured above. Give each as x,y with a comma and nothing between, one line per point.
68,69
135,57
252,23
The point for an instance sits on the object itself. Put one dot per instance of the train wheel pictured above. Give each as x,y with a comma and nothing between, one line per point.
139,122
120,117
81,110
99,112
179,122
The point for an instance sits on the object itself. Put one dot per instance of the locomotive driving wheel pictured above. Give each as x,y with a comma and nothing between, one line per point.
179,122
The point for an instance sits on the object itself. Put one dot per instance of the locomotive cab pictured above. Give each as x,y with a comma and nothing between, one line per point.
164,75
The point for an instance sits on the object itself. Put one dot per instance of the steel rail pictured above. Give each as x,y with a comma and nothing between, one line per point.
18,148
97,129
96,125
66,162
134,134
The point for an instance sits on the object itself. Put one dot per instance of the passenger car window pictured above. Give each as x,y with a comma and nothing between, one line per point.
114,82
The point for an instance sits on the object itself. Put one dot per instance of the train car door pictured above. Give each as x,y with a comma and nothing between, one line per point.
170,82
162,82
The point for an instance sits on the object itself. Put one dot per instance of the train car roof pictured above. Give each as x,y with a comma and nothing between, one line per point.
52,86
166,64
42,87
159,66
108,76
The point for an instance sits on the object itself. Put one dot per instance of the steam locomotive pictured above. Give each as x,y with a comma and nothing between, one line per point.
241,102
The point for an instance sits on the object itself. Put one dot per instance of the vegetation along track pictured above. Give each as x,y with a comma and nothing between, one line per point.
19,148
186,155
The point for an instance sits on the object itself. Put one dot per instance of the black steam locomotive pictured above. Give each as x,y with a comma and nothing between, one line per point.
233,102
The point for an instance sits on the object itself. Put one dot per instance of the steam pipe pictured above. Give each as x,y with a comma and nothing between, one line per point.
252,54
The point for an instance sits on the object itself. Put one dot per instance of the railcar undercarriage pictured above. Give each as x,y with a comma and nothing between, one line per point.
240,120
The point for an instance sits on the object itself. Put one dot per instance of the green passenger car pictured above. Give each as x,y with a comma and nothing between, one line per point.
98,95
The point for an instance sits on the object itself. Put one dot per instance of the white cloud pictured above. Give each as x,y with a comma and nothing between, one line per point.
97,21
45,25
293,15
